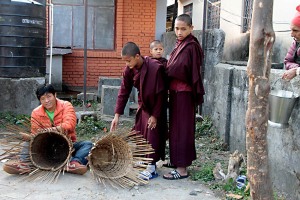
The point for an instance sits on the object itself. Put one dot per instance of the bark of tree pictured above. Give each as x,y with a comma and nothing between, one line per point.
262,38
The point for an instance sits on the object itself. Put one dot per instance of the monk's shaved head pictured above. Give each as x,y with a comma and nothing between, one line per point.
154,43
130,49
185,18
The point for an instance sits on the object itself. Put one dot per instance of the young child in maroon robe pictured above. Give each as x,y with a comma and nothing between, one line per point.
147,75
185,93
157,50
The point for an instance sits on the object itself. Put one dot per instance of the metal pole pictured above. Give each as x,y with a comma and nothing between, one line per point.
204,36
51,41
85,51
203,49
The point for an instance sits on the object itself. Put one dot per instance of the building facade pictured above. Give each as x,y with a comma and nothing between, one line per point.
110,24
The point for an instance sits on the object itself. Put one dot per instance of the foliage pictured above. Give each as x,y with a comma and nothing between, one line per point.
211,150
11,118
230,187
90,127
204,127
76,102
205,173
79,103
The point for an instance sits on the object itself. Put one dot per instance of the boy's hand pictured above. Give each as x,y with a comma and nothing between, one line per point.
114,122
152,121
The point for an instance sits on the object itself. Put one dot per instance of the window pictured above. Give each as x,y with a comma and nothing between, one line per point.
213,14
188,9
247,15
68,24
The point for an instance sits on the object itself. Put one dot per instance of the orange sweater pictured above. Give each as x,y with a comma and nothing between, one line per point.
64,116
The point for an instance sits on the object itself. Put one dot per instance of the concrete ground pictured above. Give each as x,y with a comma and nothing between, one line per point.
70,186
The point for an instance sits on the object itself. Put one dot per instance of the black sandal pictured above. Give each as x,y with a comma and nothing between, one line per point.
169,165
175,175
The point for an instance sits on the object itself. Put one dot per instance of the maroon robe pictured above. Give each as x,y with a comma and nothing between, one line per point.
162,60
149,81
184,69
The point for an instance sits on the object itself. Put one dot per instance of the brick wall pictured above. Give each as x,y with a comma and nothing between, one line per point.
135,21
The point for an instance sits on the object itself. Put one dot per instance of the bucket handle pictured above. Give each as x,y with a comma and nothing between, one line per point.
293,90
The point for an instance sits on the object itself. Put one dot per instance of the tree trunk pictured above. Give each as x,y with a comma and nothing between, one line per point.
262,38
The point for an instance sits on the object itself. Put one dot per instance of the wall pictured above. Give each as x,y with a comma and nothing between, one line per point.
231,12
135,21
161,20
197,12
226,102
236,43
18,95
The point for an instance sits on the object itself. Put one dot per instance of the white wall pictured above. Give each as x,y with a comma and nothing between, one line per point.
230,19
160,21
197,12
230,23
283,12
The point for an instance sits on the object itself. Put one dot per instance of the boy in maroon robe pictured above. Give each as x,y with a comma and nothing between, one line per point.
185,93
146,75
157,50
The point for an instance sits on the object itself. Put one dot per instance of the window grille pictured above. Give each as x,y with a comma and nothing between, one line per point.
188,9
247,15
213,14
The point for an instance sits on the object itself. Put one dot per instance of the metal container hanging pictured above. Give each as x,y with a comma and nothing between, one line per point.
281,104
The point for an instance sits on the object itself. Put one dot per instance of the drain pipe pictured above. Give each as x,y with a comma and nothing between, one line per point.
51,39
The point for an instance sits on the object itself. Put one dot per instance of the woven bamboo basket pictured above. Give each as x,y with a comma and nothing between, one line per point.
50,150
113,157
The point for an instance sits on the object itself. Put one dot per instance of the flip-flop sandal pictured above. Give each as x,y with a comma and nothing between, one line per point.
146,175
175,175
140,164
169,165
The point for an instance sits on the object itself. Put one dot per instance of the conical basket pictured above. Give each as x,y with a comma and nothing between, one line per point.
50,150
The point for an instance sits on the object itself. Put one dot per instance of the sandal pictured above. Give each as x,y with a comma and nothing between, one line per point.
146,175
175,175
169,165
140,164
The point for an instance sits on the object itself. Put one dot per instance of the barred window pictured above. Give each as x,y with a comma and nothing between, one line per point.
188,9
247,15
213,14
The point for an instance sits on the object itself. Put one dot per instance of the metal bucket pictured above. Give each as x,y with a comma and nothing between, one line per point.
281,104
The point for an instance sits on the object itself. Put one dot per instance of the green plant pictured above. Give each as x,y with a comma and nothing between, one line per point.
90,127
205,173
76,102
204,127
93,104
11,118
230,187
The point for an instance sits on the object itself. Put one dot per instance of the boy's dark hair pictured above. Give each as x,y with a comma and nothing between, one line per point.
43,89
155,42
130,49
185,18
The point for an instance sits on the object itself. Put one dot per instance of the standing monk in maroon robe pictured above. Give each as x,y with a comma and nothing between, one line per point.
186,92
146,75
